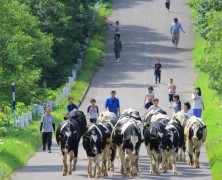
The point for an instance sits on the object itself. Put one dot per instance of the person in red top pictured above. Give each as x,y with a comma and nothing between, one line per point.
171,91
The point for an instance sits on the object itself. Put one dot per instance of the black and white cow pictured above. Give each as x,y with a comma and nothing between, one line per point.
109,152
153,133
195,134
182,118
130,147
68,135
172,140
94,142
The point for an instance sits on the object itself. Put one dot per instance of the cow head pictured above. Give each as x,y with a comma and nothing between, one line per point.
196,131
69,135
95,142
168,138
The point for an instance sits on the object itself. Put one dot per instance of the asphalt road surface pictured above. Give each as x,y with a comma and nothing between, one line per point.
145,36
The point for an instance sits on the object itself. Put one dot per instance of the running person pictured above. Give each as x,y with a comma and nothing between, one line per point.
175,31
157,71
117,48
167,4
93,111
117,30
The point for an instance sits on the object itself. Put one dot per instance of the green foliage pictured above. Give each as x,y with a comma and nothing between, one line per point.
212,113
25,51
26,140
207,15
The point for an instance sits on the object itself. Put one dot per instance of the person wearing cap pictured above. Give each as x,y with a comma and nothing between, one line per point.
149,97
93,111
112,104
71,106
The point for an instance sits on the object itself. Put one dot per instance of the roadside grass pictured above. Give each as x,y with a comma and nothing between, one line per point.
20,144
212,115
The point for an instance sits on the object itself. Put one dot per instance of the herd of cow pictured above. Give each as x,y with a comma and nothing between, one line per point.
166,141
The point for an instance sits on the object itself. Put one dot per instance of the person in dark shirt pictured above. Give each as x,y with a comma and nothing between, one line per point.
71,105
157,72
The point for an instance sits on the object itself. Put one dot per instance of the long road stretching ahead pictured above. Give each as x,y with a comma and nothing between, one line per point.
145,34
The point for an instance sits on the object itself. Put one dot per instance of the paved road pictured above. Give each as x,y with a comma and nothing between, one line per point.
145,36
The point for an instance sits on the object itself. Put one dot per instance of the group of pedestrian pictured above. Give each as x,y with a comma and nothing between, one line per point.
152,103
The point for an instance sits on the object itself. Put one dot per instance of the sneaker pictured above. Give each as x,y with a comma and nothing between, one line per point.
170,107
43,148
50,151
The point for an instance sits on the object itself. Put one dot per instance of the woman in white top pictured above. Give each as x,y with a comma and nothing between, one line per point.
198,103
149,97
155,106
187,109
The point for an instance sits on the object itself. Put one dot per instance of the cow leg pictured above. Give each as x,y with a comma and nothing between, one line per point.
121,156
64,164
104,160
97,168
190,152
126,164
71,155
174,156
183,153
151,158
196,158
156,157
89,166
112,157
164,161
75,158
133,168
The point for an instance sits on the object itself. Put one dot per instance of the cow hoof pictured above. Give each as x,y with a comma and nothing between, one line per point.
197,166
70,172
165,171
74,168
64,174
175,173
89,176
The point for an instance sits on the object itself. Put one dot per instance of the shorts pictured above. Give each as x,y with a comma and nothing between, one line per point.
171,97
93,120
147,105
197,113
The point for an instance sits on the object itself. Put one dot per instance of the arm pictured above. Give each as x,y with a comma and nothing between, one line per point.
194,96
106,105
88,112
179,105
41,124
182,28
120,45
67,109
53,126
171,28
118,107
203,105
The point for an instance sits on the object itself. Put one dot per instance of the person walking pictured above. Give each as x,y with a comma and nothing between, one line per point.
187,109
71,106
117,30
157,71
112,104
198,103
93,111
176,105
171,91
47,126
167,4
117,48
175,32
155,106
149,97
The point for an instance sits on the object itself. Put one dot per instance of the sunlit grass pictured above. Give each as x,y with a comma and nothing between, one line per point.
212,116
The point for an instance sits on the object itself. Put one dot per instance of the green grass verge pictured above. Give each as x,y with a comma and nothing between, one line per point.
20,144
212,115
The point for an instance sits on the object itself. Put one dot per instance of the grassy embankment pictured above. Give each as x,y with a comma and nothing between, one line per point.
19,144
212,115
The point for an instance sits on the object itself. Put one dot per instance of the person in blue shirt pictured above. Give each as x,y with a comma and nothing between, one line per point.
175,31
112,104
71,106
